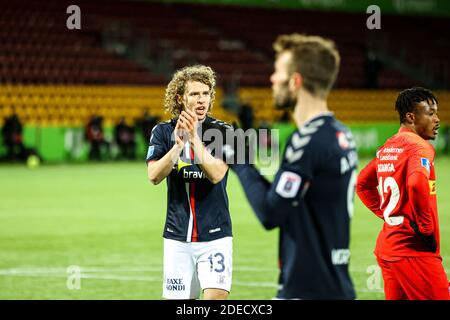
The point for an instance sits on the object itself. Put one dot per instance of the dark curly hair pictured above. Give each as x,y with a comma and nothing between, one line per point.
409,98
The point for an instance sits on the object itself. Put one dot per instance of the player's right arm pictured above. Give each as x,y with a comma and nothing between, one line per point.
160,161
366,188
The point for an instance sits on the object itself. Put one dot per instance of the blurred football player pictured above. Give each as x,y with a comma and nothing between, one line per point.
311,197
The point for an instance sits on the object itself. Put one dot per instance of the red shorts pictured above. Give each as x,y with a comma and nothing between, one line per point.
414,278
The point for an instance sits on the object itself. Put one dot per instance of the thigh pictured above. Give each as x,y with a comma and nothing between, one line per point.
392,288
180,277
423,278
214,264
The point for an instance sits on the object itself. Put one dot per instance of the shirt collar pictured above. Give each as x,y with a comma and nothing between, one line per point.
404,129
320,115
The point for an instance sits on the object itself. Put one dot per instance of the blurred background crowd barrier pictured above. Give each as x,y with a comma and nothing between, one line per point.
96,93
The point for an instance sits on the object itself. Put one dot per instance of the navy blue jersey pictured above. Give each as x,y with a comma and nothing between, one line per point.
311,201
197,210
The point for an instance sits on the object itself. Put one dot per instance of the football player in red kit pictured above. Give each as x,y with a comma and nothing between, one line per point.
399,187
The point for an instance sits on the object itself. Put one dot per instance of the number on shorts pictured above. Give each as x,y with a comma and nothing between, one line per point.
219,262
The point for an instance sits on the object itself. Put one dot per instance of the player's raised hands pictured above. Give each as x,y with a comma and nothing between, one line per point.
180,135
188,121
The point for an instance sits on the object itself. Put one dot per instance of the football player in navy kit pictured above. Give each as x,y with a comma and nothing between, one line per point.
311,197
197,233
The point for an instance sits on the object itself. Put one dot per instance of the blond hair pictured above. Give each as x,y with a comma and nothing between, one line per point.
177,86
314,57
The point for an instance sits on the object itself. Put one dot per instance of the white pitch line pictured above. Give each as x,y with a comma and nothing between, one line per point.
114,277
255,284
60,273
52,270
87,276
93,273
253,269
370,290
120,278
114,269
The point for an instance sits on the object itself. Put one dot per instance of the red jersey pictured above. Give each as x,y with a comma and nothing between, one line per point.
399,187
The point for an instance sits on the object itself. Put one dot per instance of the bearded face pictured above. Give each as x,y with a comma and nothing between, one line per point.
283,97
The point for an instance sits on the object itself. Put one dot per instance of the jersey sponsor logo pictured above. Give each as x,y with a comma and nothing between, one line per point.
175,284
181,164
386,167
150,151
193,174
389,157
393,150
340,256
425,163
187,173
289,184
432,184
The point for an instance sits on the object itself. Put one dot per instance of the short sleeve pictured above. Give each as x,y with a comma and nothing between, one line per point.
158,144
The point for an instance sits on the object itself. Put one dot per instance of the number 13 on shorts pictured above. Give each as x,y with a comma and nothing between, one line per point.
218,259
215,265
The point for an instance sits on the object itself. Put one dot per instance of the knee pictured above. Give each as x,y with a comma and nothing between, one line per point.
215,294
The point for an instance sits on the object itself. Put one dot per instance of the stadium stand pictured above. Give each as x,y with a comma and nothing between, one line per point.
37,47
72,106
52,76
355,106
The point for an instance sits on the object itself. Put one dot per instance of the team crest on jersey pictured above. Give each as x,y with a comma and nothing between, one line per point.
425,163
342,140
289,184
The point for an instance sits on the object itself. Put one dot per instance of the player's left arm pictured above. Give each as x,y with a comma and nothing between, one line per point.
418,172
418,191
215,169
271,202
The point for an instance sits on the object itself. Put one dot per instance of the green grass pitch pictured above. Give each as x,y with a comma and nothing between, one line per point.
107,219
